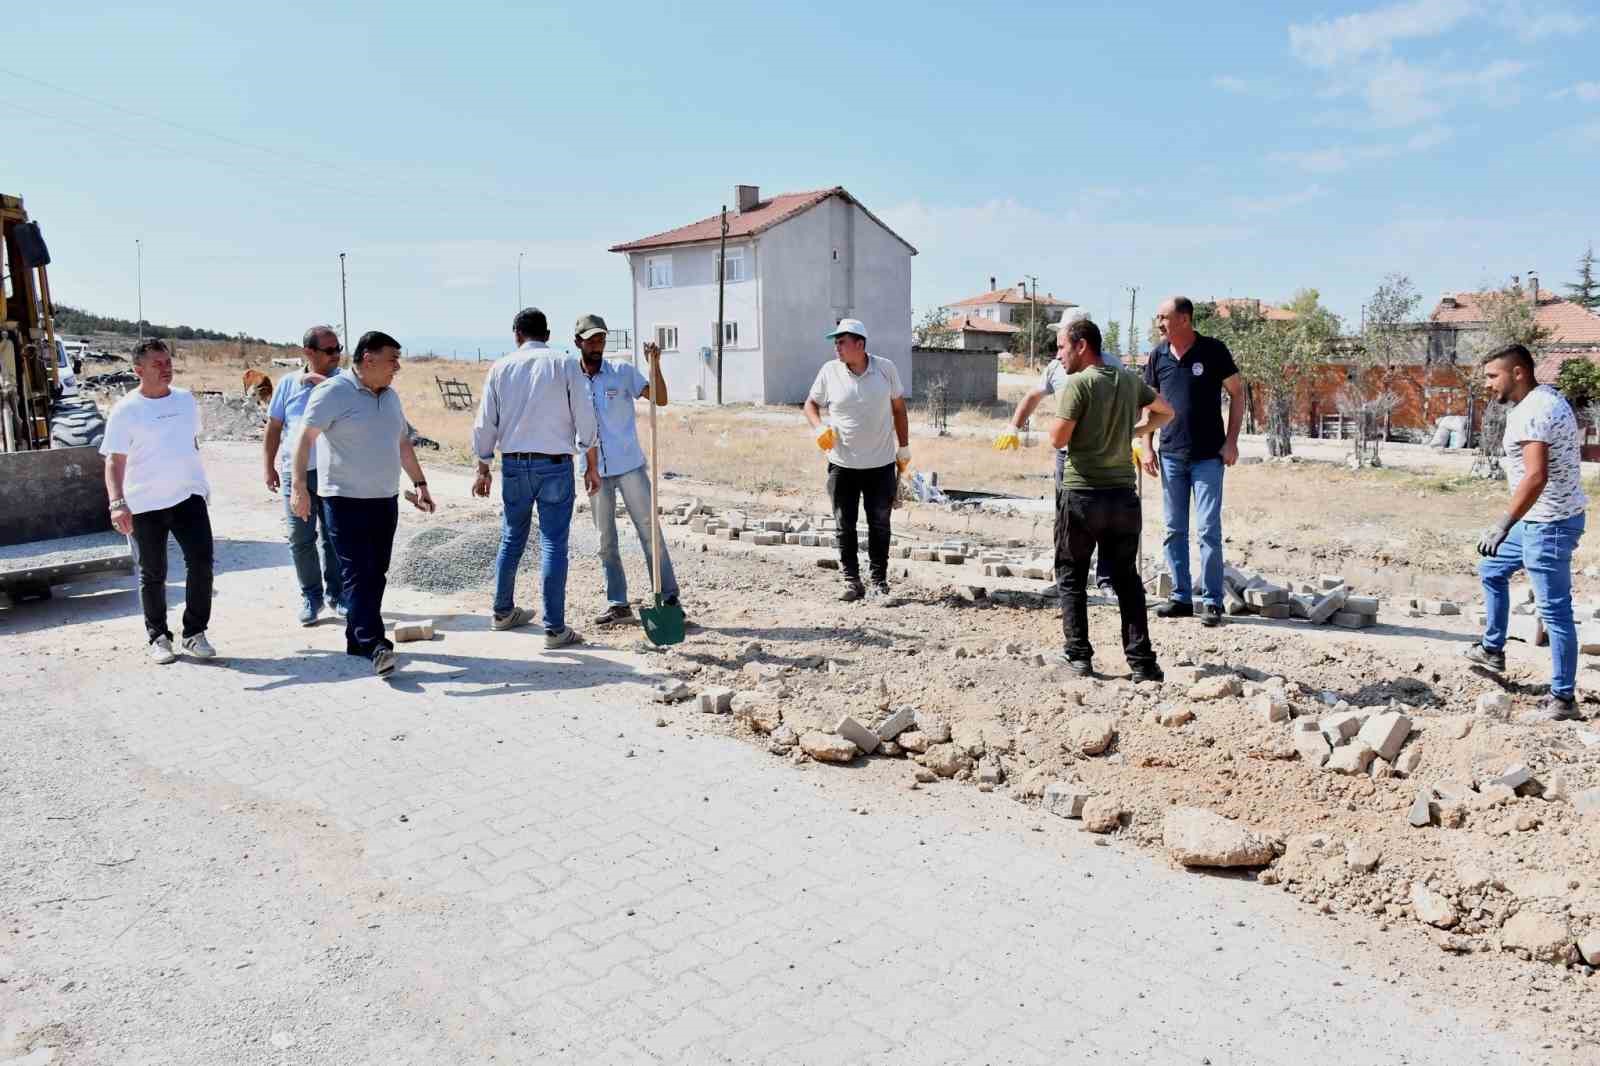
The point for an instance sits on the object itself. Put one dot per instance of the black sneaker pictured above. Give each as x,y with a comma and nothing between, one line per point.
1555,709
1081,667
1485,657
853,591
881,589
1151,672
1175,609
1211,617
617,612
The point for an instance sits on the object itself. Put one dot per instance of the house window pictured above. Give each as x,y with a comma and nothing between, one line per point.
667,338
730,334
733,266
659,272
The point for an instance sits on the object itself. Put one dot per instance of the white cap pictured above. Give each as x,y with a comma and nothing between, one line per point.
1071,315
849,325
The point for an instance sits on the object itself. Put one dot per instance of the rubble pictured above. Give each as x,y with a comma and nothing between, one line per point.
1432,908
1543,936
857,734
1093,734
828,747
1102,814
1198,837
1065,799
716,701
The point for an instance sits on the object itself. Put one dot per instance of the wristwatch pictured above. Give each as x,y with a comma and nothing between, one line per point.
118,504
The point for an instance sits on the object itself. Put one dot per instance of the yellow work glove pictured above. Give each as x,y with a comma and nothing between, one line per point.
827,438
902,459
1008,441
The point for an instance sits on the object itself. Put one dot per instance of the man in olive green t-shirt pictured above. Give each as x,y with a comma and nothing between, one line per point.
1099,411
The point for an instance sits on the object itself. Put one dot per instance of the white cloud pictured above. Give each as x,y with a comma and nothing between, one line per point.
1337,158
1533,23
1330,42
1587,91
1230,84
1399,93
1272,205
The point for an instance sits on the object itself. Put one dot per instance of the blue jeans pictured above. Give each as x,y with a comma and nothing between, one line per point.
1180,477
303,549
524,483
363,535
1544,550
635,489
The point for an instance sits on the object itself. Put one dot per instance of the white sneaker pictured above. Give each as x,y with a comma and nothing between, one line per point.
161,651
561,639
199,647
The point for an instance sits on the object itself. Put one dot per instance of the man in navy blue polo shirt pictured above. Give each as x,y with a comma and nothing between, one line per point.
1191,372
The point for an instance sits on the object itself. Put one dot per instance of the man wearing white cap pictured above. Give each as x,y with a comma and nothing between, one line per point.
867,440
1051,382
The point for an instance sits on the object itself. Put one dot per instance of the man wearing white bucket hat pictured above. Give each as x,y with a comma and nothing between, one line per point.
866,437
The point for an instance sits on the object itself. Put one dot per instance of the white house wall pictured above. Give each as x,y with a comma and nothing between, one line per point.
805,289
690,303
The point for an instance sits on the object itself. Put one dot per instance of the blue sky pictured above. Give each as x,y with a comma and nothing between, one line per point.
1233,152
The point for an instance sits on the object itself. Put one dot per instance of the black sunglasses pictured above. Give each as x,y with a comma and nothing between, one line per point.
335,350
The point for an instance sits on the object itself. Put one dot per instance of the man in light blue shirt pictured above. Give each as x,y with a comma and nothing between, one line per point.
536,410
614,385
321,349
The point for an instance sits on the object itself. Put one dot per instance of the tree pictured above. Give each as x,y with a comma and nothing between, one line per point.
1509,318
1586,290
1388,339
1579,382
1035,336
1274,357
933,330
1111,340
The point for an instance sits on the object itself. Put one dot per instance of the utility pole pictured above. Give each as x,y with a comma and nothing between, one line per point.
519,280
344,300
1033,323
722,278
138,251
1133,330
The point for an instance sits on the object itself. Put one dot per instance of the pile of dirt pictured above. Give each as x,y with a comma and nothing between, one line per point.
225,417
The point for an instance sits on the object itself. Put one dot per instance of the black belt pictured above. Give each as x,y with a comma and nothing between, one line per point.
535,455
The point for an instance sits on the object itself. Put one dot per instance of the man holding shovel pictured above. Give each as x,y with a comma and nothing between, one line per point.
867,440
614,385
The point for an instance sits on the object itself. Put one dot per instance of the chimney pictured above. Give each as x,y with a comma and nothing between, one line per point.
991,282
1448,300
1533,288
746,196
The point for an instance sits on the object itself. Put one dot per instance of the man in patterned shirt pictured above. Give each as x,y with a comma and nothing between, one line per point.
1540,529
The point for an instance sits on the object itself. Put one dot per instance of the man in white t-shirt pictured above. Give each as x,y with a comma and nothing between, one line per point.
158,487
1541,527
867,439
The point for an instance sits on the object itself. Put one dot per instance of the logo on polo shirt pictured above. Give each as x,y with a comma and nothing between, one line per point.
1198,370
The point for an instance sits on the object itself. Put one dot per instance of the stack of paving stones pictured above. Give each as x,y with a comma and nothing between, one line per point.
1328,601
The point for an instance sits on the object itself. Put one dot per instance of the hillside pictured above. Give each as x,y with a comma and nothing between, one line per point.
76,320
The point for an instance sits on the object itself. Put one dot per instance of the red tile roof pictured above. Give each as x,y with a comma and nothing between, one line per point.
1568,323
1226,305
980,325
1013,295
1549,364
763,216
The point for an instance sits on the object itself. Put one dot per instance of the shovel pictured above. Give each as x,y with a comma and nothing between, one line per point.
663,623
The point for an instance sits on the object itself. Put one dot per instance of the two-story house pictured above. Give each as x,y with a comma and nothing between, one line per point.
1010,306
796,263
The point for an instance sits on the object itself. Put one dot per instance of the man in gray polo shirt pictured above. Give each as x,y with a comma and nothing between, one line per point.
355,422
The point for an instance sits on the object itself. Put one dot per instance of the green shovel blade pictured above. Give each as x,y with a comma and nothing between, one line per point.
663,623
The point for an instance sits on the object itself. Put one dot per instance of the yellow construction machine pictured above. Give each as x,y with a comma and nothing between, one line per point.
54,520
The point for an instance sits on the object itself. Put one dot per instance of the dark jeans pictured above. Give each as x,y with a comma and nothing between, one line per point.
190,525
313,574
873,488
1107,519
1102,569
363,535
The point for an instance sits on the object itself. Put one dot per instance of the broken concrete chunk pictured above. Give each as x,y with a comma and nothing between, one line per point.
1440,607
1544,936
896,723
1494,704
991,771
1173,717
716,701
914,740
1093,734
1432,908
1312,746
1219,687
1343,725
1065,799
1101,814
1353,758
828,747
1271,707
1362,857
404,632
936,729
946,760
857,734
1513,777
1198,837
672,692
1385,733
1423,810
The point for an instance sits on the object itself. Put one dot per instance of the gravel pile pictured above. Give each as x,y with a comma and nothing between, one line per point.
450,559
65,549
231,417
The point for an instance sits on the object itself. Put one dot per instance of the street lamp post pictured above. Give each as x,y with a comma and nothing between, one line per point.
519,279
138,251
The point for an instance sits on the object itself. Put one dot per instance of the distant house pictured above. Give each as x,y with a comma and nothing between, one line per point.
979,334
1458,322
796,263
1010,306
